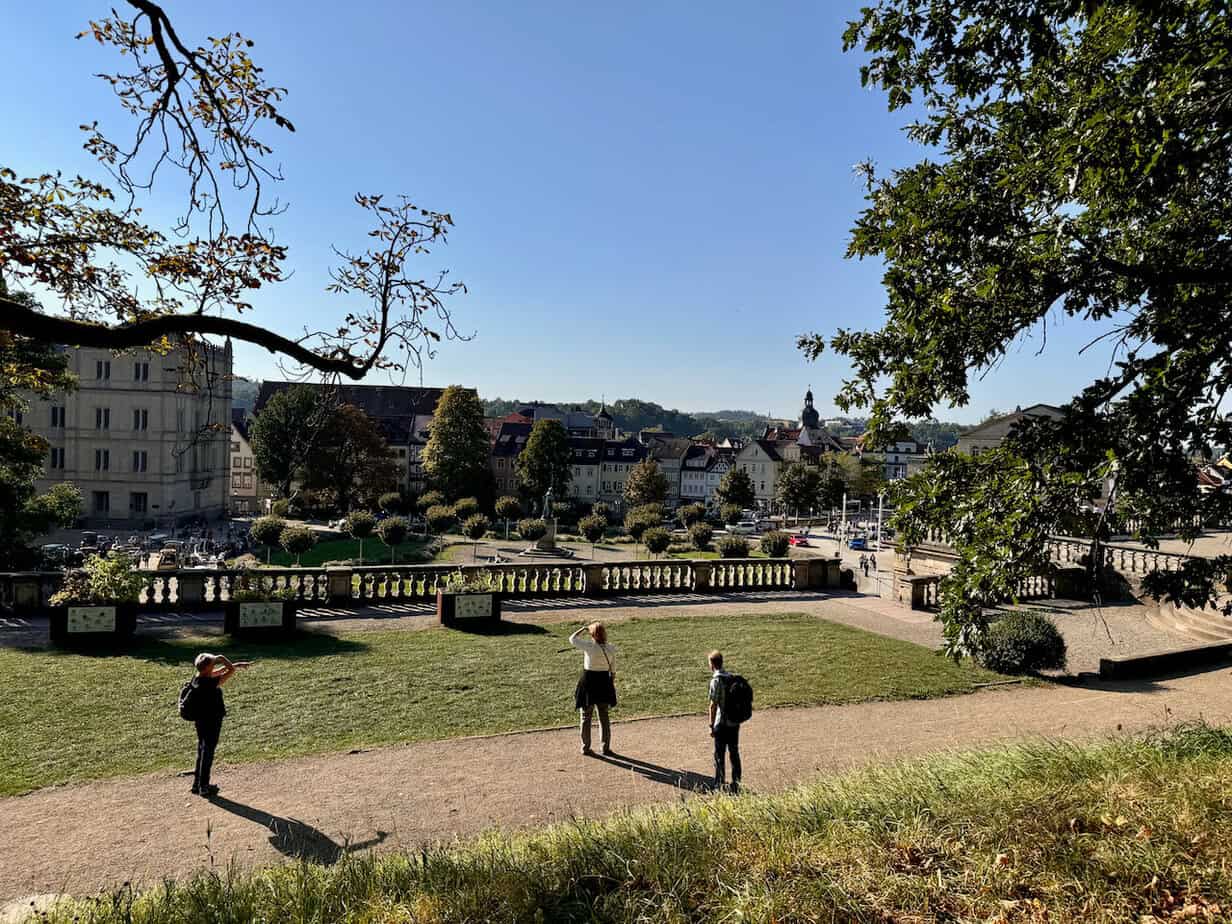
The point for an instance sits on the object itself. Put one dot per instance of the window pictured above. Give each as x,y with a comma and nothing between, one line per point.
141,372
57,457
138,502
57,415
247,461
141,418
102,369
102,502
141,460
102,418
235,462
102,460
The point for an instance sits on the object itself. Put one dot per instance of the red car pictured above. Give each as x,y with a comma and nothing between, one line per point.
798,540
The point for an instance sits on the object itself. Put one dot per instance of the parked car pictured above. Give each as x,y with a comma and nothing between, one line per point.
801,541
858,544
743,528
168,559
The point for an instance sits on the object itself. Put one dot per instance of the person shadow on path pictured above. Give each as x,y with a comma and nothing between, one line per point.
295,839
681,779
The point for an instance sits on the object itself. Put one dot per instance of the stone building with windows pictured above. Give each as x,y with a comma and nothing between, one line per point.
245,486
144,436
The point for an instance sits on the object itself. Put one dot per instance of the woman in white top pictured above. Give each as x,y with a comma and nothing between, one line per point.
597,685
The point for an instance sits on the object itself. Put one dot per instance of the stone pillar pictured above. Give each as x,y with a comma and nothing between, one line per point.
918,591
702,570
27,592
803,578
594,579
1071,583
338,582
190,589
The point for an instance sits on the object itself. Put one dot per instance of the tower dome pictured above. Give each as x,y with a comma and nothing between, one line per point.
809,418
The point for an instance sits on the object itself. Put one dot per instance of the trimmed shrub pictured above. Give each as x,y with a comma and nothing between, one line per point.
690,514
775,544
508,507
265,531
600,509
465,508
637,524
1020,643
476,527
592,528
731,513
296,540
392,503
532,529
392,531
360,525
733,547
439,517
430,499
280,507
656,540
700,535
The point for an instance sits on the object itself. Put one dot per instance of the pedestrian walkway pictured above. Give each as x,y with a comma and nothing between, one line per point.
84,837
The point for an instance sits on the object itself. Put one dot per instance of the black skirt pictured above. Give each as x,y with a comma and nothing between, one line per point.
594,688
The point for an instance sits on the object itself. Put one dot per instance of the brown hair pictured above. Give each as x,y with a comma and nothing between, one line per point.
716,658
598,633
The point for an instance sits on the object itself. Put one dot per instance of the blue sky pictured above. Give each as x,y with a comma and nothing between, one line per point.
651,200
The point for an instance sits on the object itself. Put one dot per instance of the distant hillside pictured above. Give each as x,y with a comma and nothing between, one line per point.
632,414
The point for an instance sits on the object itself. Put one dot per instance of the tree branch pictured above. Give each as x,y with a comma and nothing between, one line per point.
21,320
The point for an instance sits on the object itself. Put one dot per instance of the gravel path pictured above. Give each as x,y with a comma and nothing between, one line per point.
141,829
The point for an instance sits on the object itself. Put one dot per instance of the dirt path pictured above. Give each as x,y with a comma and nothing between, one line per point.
80,838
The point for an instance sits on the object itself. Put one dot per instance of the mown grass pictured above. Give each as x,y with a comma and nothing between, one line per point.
375,553
66,717
1138,830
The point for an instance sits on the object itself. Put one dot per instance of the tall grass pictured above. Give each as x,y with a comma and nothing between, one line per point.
1042,832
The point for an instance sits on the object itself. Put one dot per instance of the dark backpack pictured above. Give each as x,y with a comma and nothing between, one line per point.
189,701
737,700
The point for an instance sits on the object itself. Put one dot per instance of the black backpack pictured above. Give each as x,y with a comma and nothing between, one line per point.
737,700
189,701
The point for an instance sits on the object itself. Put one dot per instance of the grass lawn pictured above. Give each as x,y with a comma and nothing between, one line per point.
67,717
375,553
1135,830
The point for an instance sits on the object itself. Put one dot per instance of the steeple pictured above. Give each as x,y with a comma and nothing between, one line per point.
809,418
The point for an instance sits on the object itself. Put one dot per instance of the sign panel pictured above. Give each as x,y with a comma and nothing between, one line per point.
473,606
83,619
260,615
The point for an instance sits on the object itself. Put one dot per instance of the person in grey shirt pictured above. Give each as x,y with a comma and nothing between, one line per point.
726,734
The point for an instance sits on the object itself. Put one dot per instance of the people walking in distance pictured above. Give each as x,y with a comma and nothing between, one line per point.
872,563
596,688
731,704
864,564
201,703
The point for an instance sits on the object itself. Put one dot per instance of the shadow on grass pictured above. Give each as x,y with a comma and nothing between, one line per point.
681,779
295,839
498,628
299,646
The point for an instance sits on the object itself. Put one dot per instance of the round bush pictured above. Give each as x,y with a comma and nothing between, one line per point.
280,507
360,524
392,531
476,526
430,499
690,514
296,540
592,527
439,517
1020,643
700,535
266,530
508,507
733,547
532,529
656,540
731,513
465,508
392,503
775,544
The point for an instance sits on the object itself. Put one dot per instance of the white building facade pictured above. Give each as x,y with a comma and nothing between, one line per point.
144,437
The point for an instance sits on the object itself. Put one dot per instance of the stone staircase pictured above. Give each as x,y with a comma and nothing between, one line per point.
1209,625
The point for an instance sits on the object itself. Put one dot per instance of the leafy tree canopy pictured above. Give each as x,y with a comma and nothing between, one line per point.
545,461
456,455
1079,166
736,489
646,484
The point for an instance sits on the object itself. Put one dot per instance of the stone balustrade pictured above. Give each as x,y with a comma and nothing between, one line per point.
201,589
1129,560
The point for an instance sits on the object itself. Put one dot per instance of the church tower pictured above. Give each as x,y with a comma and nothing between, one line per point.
809,418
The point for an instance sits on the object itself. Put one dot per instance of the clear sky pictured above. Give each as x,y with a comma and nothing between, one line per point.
652,199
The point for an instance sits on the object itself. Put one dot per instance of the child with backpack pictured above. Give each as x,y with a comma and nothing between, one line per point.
201,703
731,704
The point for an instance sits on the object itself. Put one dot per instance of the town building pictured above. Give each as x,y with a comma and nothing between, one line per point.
898,460
992,433
510,442
144,436
620,457
764,458
245,487
668,452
